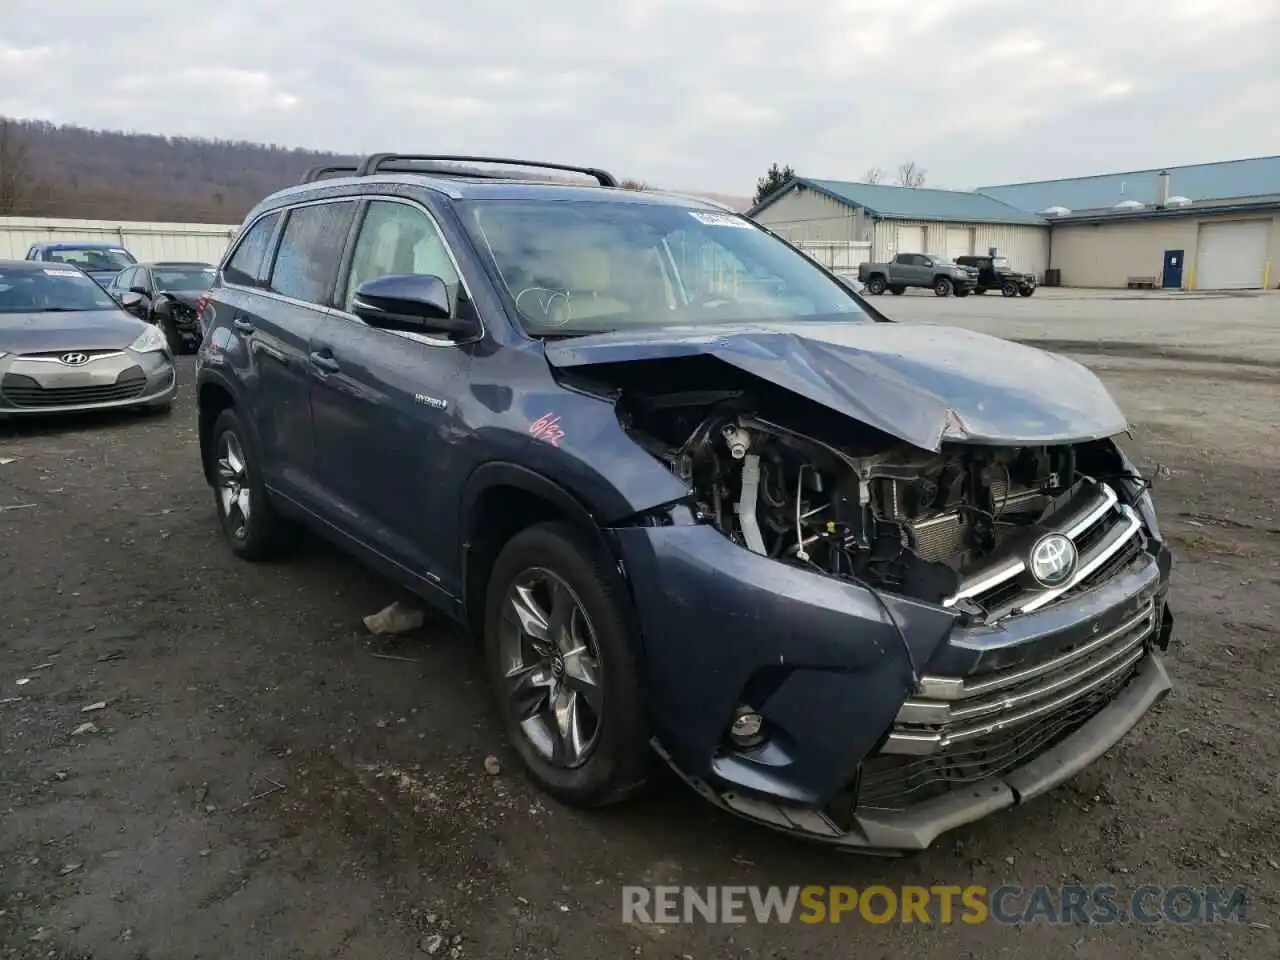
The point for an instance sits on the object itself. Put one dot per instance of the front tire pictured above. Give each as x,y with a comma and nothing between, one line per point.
897,289
876,286
1026,291
943,287
253,529
166,326
1009,289
559,643
961,292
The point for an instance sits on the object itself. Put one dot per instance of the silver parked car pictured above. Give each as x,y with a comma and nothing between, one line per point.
65,345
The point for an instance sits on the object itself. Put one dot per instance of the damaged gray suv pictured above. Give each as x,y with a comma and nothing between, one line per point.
860,581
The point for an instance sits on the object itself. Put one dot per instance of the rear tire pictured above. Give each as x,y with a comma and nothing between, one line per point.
943,287
552,592
1009,289
961,292
1026,291
876,286
250,524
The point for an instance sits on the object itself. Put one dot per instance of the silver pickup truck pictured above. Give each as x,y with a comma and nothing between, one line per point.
940,274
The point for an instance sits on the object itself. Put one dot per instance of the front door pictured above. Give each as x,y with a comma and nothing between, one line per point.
1172,270
384,405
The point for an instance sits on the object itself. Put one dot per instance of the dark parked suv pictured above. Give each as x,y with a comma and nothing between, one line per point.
994,273
860,581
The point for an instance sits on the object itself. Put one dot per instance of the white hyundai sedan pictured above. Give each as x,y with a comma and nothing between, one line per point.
66,346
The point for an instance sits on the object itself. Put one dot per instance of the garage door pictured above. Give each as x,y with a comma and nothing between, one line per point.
959,242
1230,256
910,240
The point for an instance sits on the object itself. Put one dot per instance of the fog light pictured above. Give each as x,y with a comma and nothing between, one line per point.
745,731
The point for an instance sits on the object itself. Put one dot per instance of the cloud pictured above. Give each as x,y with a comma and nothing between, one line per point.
694,94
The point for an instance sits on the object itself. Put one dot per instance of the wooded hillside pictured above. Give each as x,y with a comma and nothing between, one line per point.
68,171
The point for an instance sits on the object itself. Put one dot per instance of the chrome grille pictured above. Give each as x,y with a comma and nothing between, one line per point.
890,782
1102,528
953,713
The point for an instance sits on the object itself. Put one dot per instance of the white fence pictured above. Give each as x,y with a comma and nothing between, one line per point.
836,255
147,241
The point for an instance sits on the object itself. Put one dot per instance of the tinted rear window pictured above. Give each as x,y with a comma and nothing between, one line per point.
307,262
245,266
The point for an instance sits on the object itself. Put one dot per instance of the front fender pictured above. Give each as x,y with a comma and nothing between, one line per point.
574,440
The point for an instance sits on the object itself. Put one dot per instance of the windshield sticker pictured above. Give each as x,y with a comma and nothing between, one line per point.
54,272
719,220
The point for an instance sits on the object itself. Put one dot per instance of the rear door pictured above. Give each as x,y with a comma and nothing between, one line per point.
296,300
912,268
384,403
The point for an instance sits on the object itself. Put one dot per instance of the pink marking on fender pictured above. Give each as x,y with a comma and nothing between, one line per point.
547,427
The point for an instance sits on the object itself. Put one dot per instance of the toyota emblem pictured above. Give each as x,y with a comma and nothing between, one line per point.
1053,560
74,359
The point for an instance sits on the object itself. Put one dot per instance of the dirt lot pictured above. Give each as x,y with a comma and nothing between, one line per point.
264,782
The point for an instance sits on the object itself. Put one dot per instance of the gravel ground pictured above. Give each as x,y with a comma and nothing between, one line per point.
265,780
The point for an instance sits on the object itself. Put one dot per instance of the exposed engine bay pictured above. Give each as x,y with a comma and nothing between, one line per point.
854,503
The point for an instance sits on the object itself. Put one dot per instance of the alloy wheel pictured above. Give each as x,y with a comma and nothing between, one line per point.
550,665
233,485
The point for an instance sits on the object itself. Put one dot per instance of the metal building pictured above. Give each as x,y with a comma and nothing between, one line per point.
843,224
1206,245
1207,226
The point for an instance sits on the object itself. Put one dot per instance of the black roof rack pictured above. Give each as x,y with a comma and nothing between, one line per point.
394,163
315,173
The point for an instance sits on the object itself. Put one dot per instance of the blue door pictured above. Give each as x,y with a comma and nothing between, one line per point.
1172,270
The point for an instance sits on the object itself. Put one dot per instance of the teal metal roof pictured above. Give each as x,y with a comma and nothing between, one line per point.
910,203
1201,181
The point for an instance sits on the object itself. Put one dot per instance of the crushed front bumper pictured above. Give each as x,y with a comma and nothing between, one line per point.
857,753
107,380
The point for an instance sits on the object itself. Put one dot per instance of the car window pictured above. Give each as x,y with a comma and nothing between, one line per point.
586,266
399,238
97,259
142,278
183,278
245,266
123,280
310,248
51,290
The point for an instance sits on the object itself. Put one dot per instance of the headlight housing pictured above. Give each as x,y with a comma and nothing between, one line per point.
149,341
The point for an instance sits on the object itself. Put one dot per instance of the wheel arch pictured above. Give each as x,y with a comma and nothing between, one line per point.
499,500
213,395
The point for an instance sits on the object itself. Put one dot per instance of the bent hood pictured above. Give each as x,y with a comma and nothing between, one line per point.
187,298
923,384
82,330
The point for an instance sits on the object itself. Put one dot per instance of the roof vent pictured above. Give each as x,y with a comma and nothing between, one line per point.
1128,205
1178,202
1162,188
1054,212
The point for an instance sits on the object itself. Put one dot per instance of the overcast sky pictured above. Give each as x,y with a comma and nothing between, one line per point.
690,94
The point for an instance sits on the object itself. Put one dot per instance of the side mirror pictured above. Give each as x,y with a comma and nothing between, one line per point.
413,302
131,300
140,291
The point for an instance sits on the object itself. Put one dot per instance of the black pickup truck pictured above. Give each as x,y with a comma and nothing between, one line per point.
994,273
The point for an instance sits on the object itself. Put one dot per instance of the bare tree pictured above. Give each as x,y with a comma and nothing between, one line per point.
873,175
15,168
910,175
